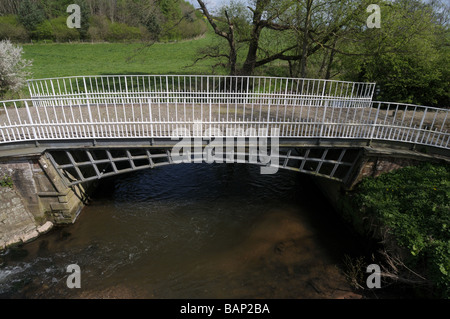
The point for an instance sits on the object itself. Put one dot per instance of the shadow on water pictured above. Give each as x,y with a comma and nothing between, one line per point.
192,231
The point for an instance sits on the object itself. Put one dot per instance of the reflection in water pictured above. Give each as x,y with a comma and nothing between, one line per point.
191,231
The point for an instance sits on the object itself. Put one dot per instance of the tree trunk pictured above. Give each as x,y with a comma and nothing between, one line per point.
233,53
252,54
229,36
249,65
305,48
330,62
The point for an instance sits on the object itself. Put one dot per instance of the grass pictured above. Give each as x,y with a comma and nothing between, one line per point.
70,59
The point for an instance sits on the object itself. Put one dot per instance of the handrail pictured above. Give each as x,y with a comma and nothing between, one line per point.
241,87
171,112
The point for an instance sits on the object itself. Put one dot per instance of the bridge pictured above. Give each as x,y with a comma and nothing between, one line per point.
73,131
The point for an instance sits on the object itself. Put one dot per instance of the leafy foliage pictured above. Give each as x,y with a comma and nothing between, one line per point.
129,20
414,203
11,29
30,14
6,181
12,67
407,57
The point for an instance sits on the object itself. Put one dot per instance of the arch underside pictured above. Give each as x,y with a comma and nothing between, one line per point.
77,166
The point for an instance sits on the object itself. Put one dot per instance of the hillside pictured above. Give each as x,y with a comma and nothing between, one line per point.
112,21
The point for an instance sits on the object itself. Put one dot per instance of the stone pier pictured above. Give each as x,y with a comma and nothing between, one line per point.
35,199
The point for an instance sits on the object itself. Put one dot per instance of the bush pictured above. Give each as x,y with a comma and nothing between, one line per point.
414,204
102,29
12,67
30,14
43,31
189,30
98,28
11,29
60,31
123,32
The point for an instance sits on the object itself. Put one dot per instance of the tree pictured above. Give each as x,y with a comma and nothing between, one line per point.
12,67
30,14
228,35
408,57
304,25
9,7
85,17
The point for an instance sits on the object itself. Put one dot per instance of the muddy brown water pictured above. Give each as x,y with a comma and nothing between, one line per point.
192,231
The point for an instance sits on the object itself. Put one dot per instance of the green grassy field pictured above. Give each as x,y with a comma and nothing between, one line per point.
56,60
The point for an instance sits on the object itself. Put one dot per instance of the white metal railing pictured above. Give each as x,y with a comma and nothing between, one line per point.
199,89
71,118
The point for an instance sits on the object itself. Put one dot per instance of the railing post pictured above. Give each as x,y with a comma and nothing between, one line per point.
323,92
88,104
210,104
246,96
30,118
375,123
323,120
420,126
53,91
167,89
87,99
126,88
32,95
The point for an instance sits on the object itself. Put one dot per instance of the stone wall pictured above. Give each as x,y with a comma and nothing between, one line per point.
17,224
38,199
375,162
375,166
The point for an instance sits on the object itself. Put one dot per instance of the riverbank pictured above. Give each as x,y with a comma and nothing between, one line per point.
34,198
406,213
18,225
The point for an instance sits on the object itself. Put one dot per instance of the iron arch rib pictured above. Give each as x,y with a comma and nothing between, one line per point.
80,166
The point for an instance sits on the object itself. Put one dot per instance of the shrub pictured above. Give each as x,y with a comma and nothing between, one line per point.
98,28
60,31
11,29
102,29
12,67
43,31
122,32
30,14
189,30
414,204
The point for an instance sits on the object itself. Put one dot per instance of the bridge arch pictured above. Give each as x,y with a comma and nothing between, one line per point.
148,111
76,166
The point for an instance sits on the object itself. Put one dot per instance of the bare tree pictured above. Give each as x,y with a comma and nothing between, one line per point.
228,35
304,21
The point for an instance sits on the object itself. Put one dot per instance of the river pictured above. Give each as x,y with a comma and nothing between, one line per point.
192,231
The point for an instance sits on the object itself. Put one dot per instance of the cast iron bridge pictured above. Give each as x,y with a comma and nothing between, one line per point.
91,127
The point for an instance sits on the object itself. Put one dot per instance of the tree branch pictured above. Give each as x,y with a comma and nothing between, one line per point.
280,55
211,21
